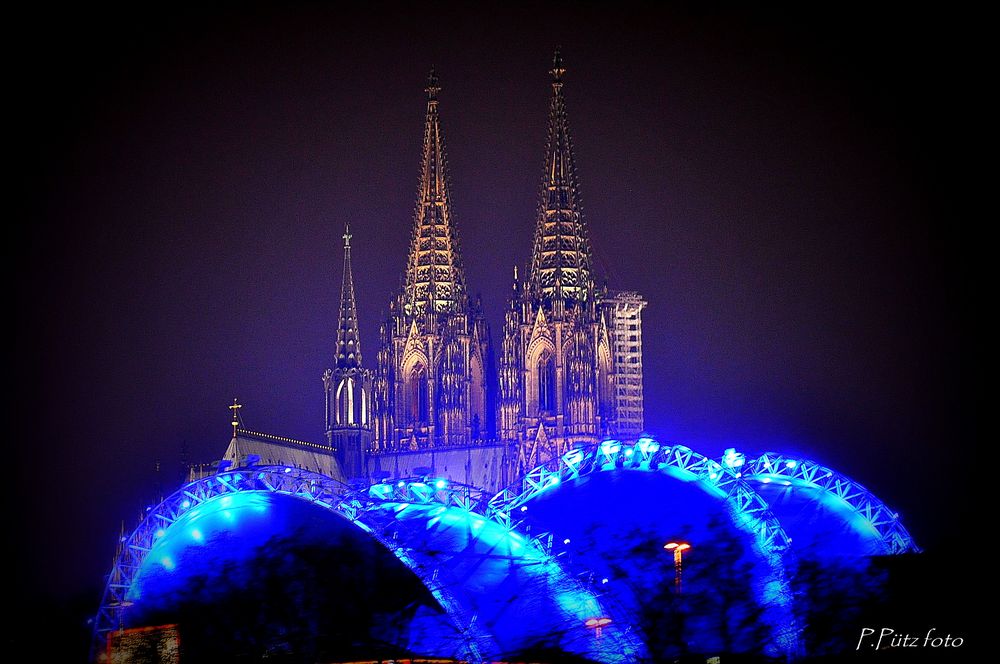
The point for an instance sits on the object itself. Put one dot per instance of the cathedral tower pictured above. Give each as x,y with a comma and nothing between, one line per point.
432,381
348,385
565,338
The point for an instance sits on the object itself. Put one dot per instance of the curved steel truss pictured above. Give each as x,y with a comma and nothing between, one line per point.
797,471
317,489
750,511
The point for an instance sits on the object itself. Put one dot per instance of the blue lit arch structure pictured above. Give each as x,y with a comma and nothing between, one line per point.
314,488
849,501
402,515
748,511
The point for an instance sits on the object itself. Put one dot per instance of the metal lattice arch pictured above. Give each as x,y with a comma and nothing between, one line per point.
750,511
383,511
851,501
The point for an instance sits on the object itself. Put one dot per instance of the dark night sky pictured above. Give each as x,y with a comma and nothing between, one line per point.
778,185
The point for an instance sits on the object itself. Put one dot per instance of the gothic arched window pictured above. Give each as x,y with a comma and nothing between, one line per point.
546,384
345,401
416,393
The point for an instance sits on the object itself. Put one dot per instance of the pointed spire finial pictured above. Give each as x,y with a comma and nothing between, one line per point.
561,258
557,70
432,88
347,354
236,415
434,279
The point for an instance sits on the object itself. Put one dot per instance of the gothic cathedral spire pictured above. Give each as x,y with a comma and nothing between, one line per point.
348,385
569,371
348,351
432,385
434,278
561,259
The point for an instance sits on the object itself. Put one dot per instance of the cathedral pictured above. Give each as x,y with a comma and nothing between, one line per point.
438,398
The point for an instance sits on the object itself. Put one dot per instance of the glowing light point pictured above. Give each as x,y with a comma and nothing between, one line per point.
167,562
440,484
648,445
739,475
733,459
566,541
160,533
611,447
604,580
790,464
186,504
524,508
766,480
288,470
712,476
400,484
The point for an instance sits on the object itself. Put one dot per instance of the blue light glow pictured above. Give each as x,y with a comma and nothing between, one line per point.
186,504
733,459
440,484
648,446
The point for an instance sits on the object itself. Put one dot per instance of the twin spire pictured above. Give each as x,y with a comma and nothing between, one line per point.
435,281
561,263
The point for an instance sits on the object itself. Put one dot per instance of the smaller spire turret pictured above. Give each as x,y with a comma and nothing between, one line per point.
348,351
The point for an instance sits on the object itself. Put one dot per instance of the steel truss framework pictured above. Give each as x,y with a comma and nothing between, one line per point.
730,479
353,505
803,472
357,505
749,510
